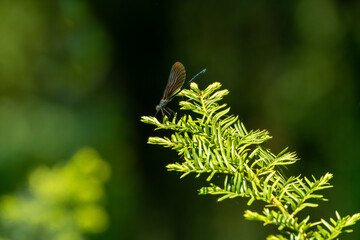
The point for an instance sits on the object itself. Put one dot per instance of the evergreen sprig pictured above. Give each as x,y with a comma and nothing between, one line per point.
215,143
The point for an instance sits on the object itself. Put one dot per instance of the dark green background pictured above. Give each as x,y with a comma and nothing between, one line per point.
81,73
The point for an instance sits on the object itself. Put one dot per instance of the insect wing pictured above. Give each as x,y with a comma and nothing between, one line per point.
176,80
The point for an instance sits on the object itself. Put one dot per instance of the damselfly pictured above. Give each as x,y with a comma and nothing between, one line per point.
174,86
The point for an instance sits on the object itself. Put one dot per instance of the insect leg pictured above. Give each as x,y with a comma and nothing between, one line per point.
166,110
170,110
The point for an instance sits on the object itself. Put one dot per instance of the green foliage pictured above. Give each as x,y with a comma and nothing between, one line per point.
63,202
215,143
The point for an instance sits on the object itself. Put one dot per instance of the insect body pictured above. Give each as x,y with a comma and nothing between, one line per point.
174,86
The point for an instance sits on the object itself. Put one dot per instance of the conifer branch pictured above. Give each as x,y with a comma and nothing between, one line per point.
215,143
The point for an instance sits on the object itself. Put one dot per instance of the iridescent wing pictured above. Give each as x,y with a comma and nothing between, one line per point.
176,80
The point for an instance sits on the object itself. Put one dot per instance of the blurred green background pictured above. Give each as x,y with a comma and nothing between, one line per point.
76,75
